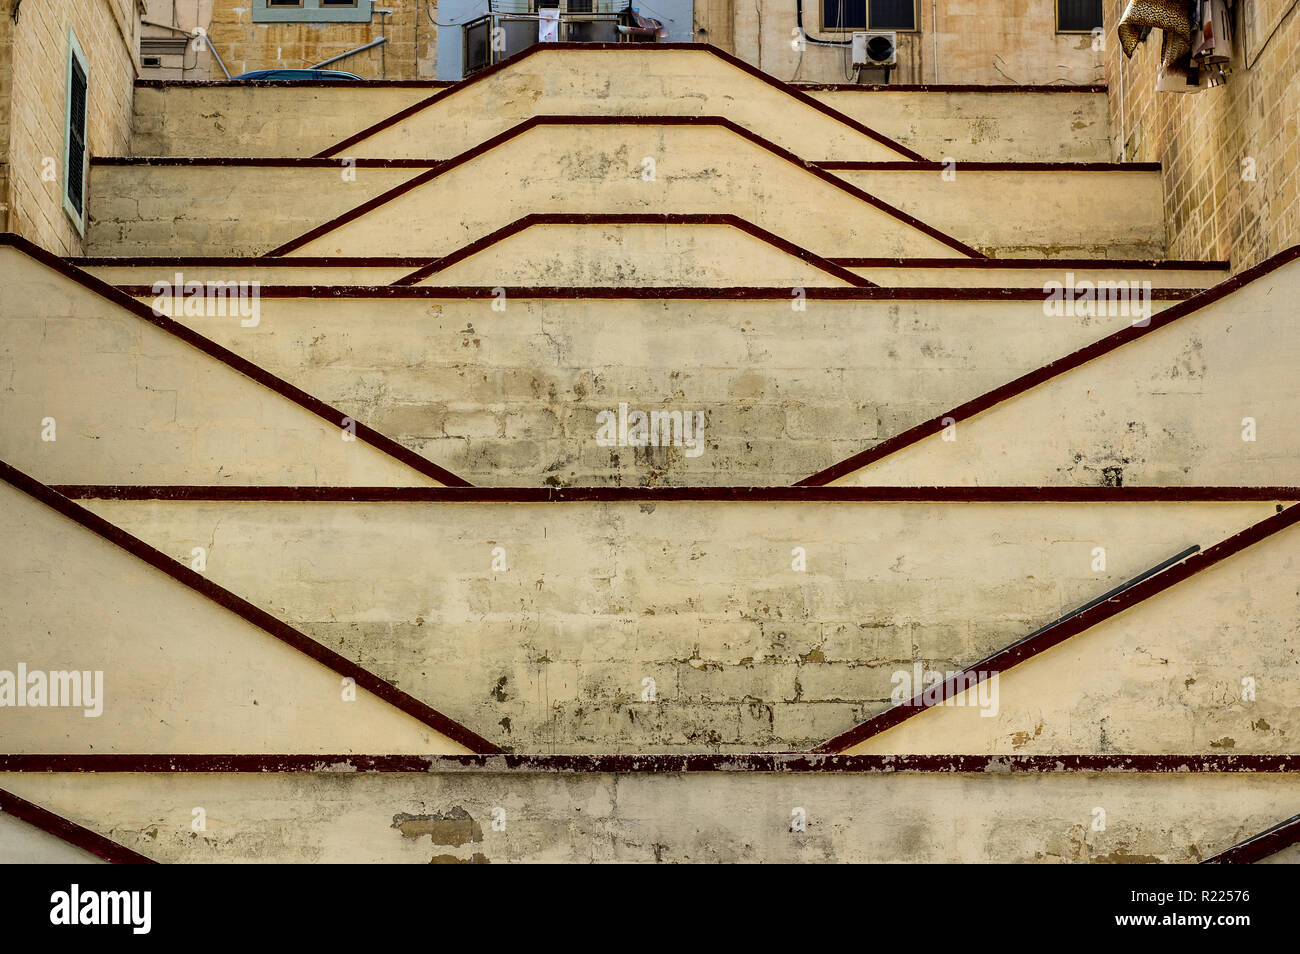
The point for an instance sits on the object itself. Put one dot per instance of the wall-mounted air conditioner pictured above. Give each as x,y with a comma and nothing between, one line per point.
877,49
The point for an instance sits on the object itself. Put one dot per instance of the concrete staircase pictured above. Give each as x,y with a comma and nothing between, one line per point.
342,539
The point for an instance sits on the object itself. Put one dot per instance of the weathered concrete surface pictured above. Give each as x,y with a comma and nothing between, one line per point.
1174,407
351,817
297,120
745,651
25,844
1210,665
180,673
511,397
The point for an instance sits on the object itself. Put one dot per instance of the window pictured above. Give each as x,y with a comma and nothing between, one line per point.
1078,16
311,11
868,14
75,153
893,15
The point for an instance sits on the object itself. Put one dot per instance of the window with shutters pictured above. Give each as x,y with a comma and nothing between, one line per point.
76,157
1078,16
311,11
846,15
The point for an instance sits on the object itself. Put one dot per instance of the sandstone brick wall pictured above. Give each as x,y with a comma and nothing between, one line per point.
410,53
6,82
1016,45
1212,141
35,88
1021,46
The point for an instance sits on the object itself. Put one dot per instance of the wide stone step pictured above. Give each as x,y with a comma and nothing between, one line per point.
558,166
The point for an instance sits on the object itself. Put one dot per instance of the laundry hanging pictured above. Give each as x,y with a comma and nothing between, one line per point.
1196,44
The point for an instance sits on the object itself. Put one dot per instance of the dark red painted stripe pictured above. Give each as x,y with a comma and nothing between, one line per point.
247,261
636,218
294,84
768,762
1260,846
1029,648
235,261
245,610
70,831
868,166
692,292
735,61
1056,368
798,494
1052,263
245,367
539,121
944,88
292,162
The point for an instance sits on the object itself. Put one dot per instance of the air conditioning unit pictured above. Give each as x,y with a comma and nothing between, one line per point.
879,49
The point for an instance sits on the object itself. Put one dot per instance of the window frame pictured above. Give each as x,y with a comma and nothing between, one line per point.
76,55
821,17
1056,15
313,11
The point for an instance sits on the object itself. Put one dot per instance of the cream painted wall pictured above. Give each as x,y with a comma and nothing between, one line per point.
24,844
1009,124
1168,409
596,169
181,674
1064,125
607,169
645,256
134,404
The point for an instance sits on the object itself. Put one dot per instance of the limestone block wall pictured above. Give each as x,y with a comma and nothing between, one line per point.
206,210
546,644
35,106
1017,46
511,396
411,50
1231,154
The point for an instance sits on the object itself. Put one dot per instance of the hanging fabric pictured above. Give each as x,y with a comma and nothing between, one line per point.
1196,44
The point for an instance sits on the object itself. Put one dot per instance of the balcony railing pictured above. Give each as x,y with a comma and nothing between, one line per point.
514,25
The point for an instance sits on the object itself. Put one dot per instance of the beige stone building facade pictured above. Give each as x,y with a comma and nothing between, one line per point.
630,455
